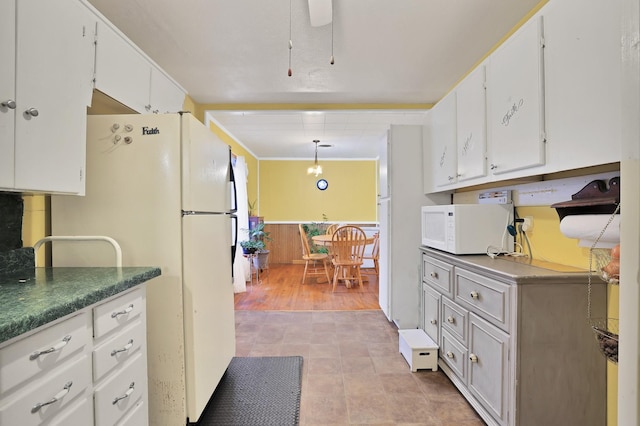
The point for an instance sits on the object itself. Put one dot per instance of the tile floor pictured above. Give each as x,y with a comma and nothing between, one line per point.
353,373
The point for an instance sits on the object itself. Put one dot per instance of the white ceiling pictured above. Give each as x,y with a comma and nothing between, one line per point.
235,54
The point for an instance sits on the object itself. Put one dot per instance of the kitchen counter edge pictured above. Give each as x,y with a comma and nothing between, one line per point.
38,296
504,269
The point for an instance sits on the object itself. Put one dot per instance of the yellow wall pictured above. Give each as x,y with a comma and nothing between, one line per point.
548,243
289,194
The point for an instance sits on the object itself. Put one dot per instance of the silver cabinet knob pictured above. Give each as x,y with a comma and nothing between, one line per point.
434,275
433,321
450,178
147,107
493,166
473,358
9,103
474,295
451,320
32,112
450,355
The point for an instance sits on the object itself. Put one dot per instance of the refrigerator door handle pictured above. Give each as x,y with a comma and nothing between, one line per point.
234,246
234,191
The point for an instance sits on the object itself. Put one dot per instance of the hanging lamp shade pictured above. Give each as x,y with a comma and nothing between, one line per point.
320,12
316,169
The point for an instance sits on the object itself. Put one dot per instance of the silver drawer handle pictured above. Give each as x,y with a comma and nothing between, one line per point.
56,397
450,355
127,394
473,358
54,348
434,275
451,320
124,312
474,295
125,348
434,321
9,103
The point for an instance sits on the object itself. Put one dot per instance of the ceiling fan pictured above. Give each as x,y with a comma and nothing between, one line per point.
320,12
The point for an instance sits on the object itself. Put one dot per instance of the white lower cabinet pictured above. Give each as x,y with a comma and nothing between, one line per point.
62,374
514,340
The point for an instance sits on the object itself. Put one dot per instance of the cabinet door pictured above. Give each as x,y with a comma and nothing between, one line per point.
54,78
122,72
582,65
443,141
515,92
488,367
471,126
431,313
165,96
7,90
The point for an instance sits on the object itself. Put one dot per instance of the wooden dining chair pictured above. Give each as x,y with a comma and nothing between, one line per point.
374,256
311,260
346,251
331,229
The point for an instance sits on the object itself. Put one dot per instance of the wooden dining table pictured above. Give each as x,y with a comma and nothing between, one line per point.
324,240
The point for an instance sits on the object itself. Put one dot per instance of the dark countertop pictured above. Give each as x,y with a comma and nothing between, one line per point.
37,296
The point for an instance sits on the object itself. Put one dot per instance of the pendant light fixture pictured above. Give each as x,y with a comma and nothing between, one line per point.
316,169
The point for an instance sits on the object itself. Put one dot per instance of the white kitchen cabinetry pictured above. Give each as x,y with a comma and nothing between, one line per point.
399,216
45,373
441,149
87,369
582,83
47,51
515,92
514,339
124,73
455,140
471,119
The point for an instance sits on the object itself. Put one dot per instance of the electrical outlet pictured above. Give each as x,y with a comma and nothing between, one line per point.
527,225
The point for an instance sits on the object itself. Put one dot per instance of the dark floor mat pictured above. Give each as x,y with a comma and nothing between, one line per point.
257,391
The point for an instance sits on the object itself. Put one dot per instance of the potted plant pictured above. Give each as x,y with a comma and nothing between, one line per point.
255,244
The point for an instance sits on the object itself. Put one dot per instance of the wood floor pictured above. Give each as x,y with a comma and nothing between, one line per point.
280,289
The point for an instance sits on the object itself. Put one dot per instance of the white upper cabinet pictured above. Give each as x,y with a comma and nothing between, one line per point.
442,146
515,93
471,126
126,75
582,82
43,124
121,71
7,90
164,96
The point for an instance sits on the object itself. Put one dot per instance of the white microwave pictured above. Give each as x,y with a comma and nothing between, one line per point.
468,228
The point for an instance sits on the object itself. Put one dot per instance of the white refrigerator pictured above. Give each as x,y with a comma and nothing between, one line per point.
163,188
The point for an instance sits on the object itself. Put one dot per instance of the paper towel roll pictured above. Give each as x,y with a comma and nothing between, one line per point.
586,228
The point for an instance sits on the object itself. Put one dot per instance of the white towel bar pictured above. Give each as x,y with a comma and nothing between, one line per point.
113,242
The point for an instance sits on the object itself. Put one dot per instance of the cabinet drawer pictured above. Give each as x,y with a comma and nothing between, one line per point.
438,274
454,355
117,313
114,398
80,414
138,416
484,296
454,319
49,396
118,349
43,351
